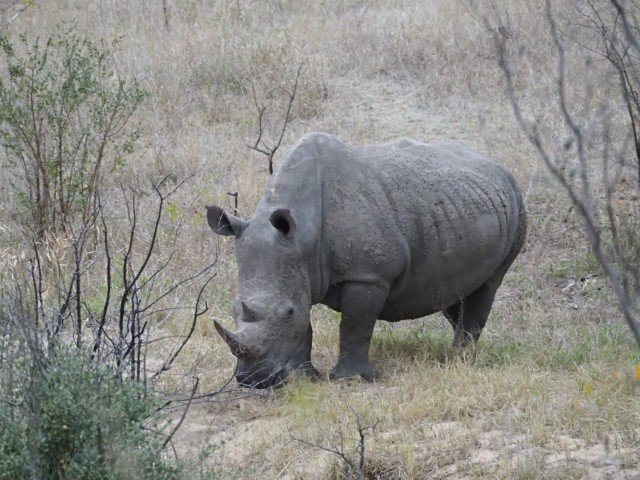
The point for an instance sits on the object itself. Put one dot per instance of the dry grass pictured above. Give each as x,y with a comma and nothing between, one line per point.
546,395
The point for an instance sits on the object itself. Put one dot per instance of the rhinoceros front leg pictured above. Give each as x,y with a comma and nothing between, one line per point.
360,304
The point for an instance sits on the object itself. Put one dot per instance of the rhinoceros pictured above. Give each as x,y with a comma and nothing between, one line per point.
393,231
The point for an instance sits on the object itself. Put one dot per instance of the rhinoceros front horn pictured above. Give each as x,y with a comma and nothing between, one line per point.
230,338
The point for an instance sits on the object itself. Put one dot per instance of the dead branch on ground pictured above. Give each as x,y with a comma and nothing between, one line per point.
356,467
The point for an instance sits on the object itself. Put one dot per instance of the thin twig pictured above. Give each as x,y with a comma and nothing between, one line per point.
184,415
259,145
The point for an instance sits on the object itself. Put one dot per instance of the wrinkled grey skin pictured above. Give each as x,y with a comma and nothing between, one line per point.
392,232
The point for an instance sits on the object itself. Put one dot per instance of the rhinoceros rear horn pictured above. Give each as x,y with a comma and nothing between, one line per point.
248,315
231,339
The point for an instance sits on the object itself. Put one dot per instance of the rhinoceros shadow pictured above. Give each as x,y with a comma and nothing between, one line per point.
413,342
423,342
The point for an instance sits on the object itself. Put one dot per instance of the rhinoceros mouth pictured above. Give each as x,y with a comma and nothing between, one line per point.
260,381
262,374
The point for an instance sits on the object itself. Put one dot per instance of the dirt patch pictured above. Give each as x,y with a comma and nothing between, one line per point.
452,450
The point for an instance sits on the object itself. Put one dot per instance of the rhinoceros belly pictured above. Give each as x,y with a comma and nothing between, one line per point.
449,263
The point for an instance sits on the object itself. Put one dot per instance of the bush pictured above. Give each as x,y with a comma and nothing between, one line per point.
77,315
63,118
74,420
12,445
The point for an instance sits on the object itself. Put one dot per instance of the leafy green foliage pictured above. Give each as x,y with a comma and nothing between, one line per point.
64,112
73,419
12,442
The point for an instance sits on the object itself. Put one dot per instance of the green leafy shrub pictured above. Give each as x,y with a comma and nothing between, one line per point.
63,120
12,445
75,420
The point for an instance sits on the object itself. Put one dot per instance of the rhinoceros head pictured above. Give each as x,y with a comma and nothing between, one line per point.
271,312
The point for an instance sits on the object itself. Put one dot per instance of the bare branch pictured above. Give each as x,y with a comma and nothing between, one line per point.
235,202
581,194
259,145
339,450
197,313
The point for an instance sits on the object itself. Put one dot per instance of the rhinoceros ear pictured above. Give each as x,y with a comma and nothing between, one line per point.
224,224
282,221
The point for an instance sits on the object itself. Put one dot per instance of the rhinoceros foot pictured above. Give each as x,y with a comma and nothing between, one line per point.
349,369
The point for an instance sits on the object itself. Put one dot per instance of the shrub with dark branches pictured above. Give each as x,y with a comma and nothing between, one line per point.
88,293
84,318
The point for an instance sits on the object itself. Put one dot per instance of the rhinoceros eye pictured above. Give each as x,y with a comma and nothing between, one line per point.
290,311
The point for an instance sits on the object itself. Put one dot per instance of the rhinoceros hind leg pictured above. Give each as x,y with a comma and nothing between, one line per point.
360,304
452,313
469,316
